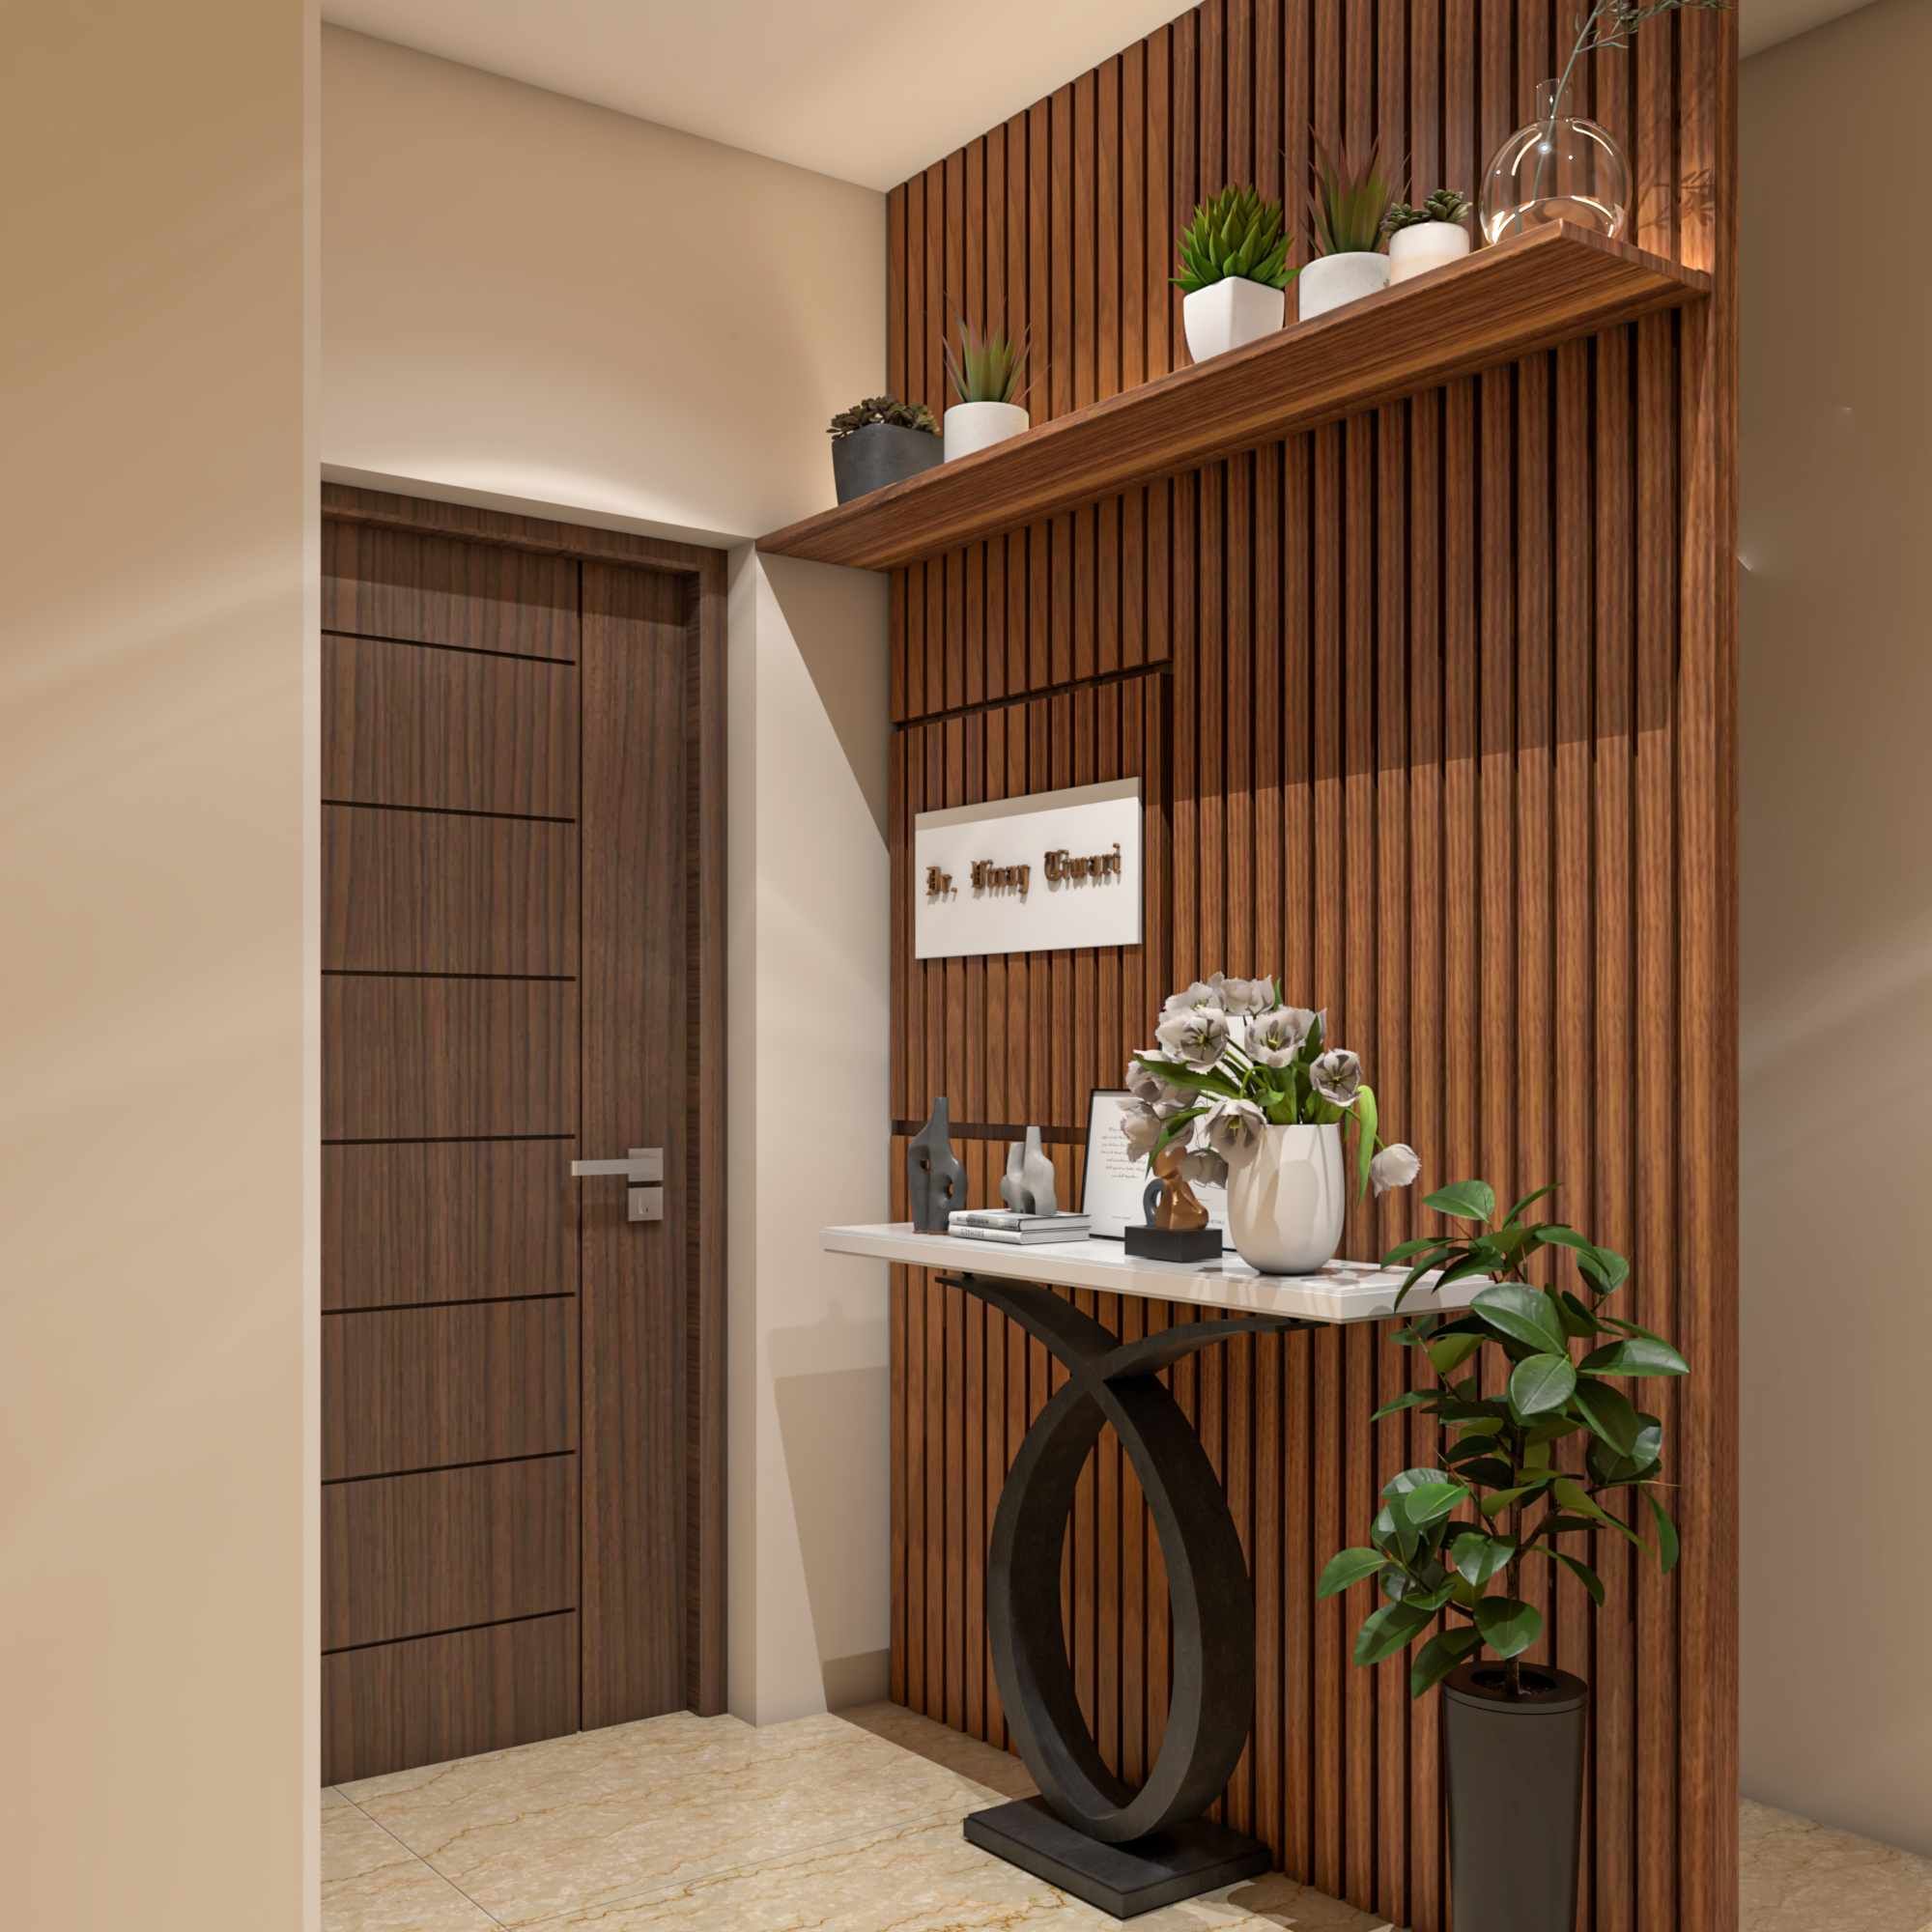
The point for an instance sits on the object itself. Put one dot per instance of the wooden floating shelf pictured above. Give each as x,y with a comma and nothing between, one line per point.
1534,292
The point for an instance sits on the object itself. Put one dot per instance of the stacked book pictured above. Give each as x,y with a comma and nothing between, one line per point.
1001,1224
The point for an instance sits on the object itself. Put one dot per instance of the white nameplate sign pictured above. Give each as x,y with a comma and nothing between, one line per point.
1036,874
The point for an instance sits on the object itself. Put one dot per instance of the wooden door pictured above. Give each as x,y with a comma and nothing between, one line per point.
520,851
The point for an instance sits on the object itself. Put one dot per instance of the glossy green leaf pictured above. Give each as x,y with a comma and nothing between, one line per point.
1439,1657
1505,1499
1576,1320
1636,1356
1428,1502
1573,1497
1606,1466
1667,1546
1464,1200
1423,1244
1606,1269
1541,1383
1582,1571
1478,1557
1385,1630
1415,1398
1527,1200
1349,1566
1448,1355
1608,1412
1509,1628
1523,1313
1492,1471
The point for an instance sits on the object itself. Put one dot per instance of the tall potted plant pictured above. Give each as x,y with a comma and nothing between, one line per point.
1539,1462
1349,199
1263,1099
987,373
1234,272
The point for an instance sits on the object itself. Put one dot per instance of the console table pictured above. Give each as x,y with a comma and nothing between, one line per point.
1126,1850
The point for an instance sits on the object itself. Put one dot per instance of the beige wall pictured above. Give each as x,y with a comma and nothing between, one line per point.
546,300
158,1284
532,301
1836,926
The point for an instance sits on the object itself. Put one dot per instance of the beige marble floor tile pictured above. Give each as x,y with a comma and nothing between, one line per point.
621,1813
918,1878
1794,1876
985,1763
331,1798
372,1884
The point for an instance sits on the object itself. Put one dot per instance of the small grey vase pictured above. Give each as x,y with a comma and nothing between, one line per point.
935,1180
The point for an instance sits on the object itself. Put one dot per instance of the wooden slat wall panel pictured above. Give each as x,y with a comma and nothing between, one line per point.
424,1388
438,1697
380,582
431,892
459,1221
1434,710
405,1556
445,730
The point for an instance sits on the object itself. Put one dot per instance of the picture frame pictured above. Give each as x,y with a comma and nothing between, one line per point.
1116,1180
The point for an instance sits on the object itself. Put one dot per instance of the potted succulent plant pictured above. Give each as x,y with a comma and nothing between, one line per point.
878,441
1347,200
1425,238
1263,1101
1234,272
986,373
1539,1461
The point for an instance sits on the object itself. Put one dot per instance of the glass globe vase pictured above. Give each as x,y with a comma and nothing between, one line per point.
1559,168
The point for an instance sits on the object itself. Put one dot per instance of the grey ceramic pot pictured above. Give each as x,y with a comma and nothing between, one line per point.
1516,1797
880,453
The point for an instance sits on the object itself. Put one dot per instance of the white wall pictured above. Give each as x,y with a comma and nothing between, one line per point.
1836,927
542,304
158,1290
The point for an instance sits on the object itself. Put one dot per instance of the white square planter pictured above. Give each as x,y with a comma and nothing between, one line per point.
1230,312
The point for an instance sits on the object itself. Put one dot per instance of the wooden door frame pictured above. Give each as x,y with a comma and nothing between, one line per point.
705,1287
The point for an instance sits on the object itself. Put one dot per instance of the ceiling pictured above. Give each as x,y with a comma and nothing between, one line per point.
868,89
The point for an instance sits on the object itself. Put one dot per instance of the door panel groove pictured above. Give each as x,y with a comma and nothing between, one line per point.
442,1468
455,1630
451,811
401,973
465,1301
433,644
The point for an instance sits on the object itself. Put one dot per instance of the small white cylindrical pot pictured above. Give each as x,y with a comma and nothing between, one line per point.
1287,1201
1424,246
1230,312
971,426
1331,281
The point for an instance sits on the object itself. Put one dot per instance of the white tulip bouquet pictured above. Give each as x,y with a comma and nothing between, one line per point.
1232,1061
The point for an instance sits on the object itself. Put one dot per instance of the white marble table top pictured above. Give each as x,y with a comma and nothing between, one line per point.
1342,1292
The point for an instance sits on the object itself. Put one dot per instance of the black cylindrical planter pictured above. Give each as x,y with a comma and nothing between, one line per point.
1516,1797
880,453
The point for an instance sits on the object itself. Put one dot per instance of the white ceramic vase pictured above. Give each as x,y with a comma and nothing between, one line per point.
1332,281
1424,246
1230,312
971,426
1288,1201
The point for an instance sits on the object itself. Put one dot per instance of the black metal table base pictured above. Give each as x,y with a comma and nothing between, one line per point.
1123,1850
1125,1880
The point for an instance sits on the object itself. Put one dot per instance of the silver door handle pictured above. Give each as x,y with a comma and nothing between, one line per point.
640,1165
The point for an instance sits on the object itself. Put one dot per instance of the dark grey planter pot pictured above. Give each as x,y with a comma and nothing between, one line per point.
1516,1797
880,453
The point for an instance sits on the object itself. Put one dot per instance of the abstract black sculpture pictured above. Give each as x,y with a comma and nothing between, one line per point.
935,1181
1125,1851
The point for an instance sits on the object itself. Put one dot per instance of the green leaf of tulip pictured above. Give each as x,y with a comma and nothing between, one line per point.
1543,1383
1463,1200
1640,1355
1439,1657
1509,1628
1349,1566
1525,1313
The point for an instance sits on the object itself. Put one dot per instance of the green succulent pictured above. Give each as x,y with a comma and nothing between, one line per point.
987,368
1236,232
887,409
1444,205
1349,199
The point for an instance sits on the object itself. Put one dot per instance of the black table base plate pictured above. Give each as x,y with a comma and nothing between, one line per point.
1125,1880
